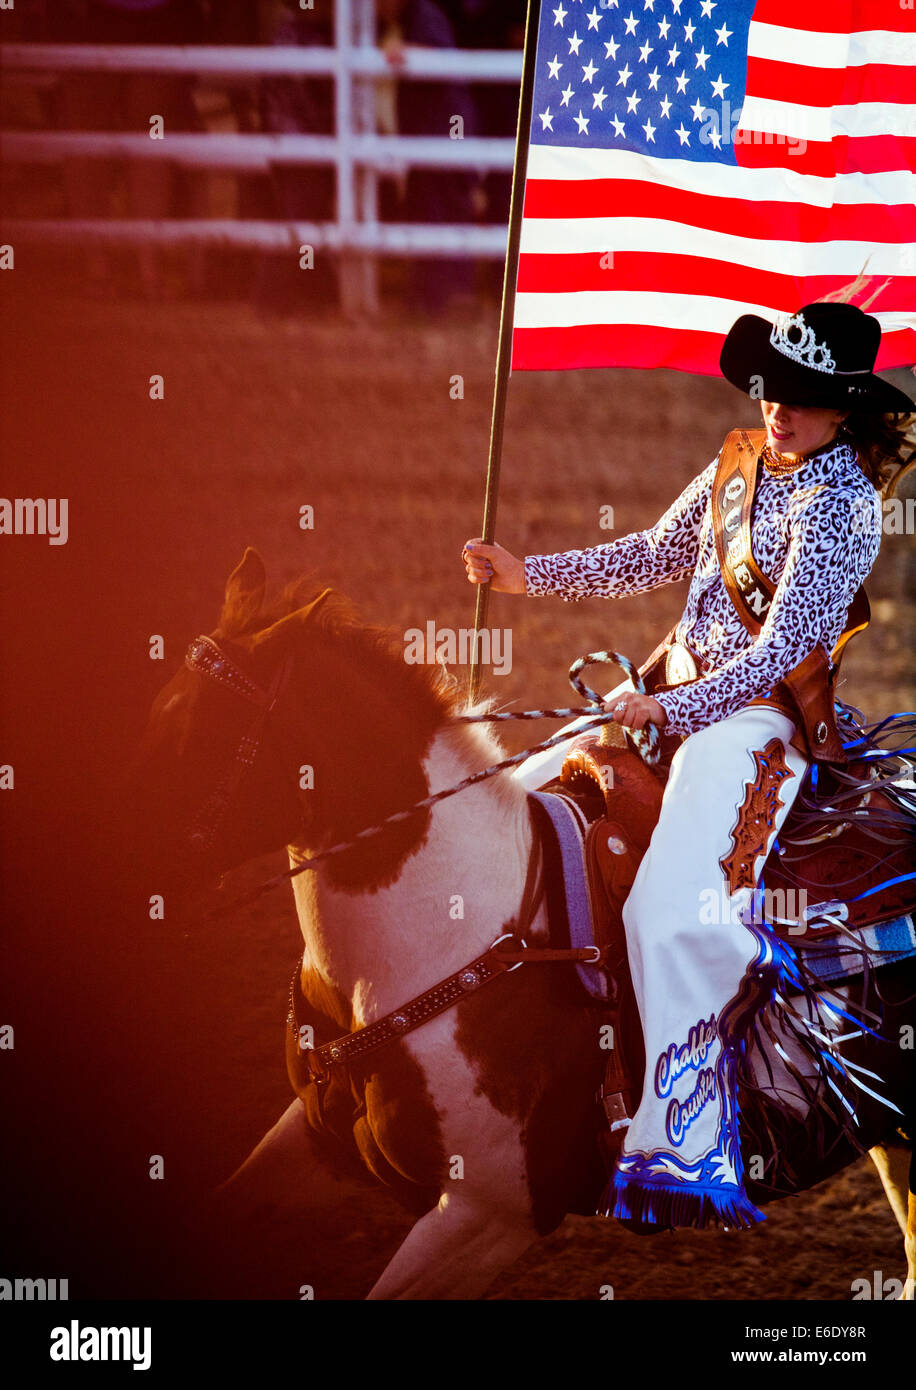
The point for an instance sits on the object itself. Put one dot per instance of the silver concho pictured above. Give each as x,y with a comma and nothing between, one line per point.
469,979
398,1022
679,665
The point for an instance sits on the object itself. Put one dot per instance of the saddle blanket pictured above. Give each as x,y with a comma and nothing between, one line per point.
562,825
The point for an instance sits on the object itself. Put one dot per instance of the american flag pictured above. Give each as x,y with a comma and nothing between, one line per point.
693,160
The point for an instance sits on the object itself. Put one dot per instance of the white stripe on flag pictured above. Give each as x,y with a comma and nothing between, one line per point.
560,162
810,49
684,311
819,123
597,235
703,313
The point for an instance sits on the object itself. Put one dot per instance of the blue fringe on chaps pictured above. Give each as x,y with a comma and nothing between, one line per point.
690,957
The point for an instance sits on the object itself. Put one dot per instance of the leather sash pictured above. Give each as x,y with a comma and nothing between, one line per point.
733,498
807,692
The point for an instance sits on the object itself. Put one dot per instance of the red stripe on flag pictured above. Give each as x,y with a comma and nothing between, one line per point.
634,345
836,18
610,345
780,221
792,82
650,272
865,154
898,350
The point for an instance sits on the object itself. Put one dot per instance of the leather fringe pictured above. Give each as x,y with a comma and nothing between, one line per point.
777,1025
666,1207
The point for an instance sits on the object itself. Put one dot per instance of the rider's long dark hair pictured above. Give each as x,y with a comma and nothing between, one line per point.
886,444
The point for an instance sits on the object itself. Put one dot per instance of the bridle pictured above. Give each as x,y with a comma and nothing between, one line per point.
207,658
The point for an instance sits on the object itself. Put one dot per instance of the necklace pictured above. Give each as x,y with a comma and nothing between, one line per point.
782,465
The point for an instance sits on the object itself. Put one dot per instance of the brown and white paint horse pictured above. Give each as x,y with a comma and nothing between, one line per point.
504,1081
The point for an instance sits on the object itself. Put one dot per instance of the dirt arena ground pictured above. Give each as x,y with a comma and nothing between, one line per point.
135,1038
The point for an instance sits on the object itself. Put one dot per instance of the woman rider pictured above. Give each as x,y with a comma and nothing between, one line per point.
834,439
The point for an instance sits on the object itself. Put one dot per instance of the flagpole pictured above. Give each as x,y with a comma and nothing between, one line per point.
506,319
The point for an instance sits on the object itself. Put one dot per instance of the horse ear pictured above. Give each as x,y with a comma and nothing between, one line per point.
244,593
309,608
293,621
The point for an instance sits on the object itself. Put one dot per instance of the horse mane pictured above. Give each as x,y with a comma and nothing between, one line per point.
432,686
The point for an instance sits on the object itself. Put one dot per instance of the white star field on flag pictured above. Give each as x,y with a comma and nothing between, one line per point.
649,75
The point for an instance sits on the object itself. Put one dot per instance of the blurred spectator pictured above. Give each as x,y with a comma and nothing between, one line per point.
301,192
494,24
487,23
108,101
238,23
429,108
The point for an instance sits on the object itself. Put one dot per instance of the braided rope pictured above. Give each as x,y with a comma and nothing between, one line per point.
648,746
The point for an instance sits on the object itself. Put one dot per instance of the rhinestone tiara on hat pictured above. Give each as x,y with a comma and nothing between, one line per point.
792,337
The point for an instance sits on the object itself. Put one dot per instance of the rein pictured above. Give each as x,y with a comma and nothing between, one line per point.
207,658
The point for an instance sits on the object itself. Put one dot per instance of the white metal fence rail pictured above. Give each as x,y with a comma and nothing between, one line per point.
358,155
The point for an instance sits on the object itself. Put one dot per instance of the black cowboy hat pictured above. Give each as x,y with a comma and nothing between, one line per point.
824,355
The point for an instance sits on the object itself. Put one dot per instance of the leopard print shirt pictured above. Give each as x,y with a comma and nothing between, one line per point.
815,534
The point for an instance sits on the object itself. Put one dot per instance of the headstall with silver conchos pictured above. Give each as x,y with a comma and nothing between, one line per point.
205,657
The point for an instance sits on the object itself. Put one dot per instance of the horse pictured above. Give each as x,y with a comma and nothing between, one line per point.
299,726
